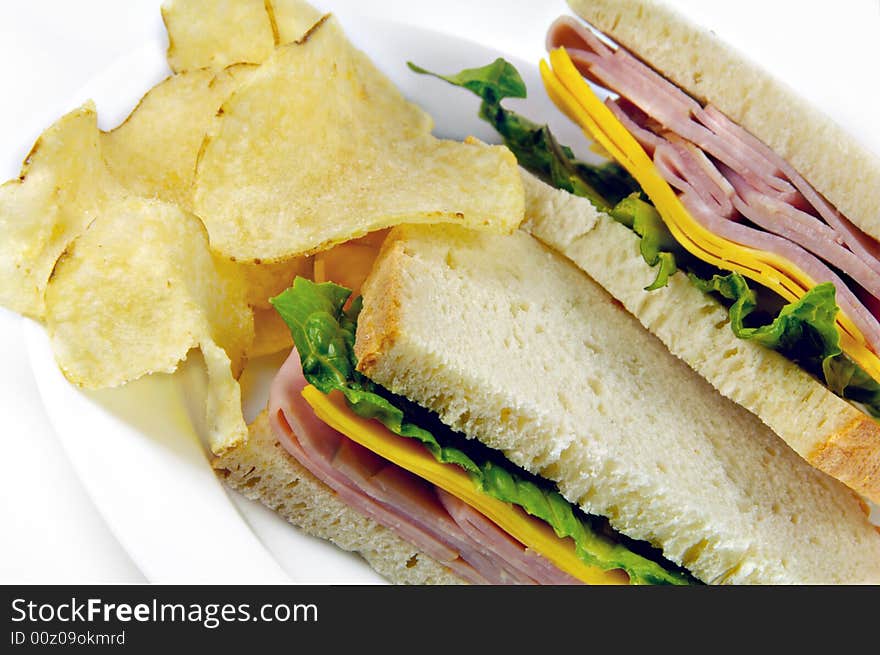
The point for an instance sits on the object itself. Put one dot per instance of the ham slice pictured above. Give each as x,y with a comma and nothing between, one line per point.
861,243
445,528
527,566
728,180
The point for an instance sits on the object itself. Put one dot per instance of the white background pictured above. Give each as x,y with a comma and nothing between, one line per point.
49,529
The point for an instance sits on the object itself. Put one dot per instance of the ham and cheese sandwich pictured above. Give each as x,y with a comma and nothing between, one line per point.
775,201
492,414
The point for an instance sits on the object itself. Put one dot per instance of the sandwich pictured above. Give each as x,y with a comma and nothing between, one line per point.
741,228
487,413
489,408
768,192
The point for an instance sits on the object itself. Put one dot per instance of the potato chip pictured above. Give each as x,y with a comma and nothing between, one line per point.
62,182
265,280
291,19
226,426
349,263
139,289
271,334
216,33
153,152
319,147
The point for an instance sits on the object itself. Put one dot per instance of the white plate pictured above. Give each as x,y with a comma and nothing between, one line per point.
136,449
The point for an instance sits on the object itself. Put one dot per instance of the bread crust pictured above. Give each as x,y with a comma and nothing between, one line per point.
378,325
852,455
710,70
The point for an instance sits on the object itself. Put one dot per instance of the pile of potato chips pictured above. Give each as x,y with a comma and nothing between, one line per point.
275,149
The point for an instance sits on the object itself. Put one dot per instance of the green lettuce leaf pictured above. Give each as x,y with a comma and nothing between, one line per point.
535,147
493,82
323,332
847,379
804,331
657,245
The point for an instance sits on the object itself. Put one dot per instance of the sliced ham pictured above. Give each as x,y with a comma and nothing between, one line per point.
445,528
731,182
680,159
823,241
635,121
527,564
864,245
662,101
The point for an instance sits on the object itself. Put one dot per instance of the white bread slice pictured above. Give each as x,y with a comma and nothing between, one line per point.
831,159
512,344
262,470
826,430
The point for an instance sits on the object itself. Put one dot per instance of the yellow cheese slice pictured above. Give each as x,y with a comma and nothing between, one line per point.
413,457
572,94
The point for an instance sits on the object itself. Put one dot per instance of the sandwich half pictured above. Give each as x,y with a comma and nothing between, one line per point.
512,358
737,223
772,203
